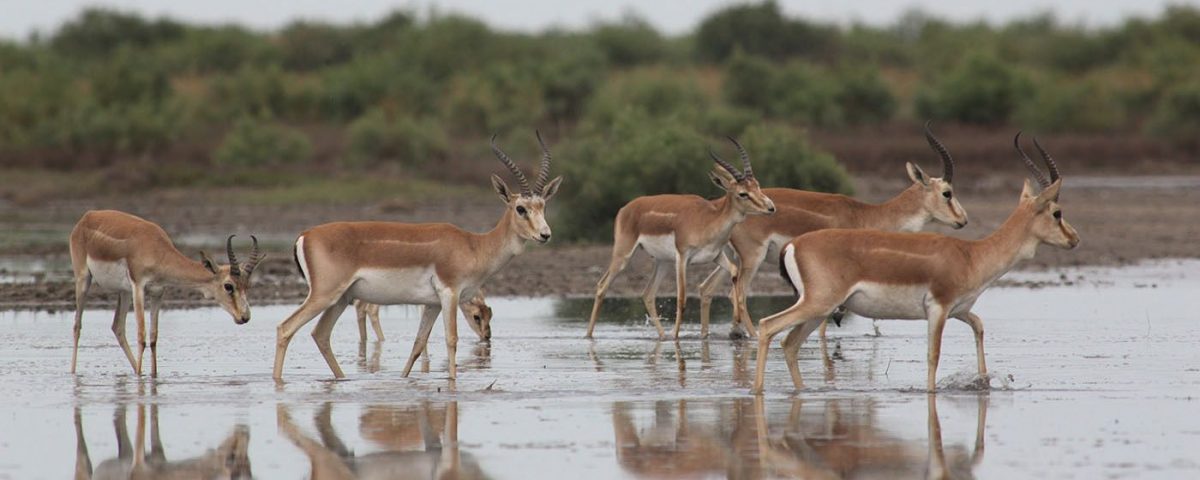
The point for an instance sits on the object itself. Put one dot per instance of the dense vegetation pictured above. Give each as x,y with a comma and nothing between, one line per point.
109,88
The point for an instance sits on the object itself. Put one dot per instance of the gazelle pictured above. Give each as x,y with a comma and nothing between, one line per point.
423,264
911,276
799,212
682,229
122,252
476,311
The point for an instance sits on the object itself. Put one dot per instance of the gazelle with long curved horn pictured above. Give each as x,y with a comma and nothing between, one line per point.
799,212
682,229
118,251
910,276
390,263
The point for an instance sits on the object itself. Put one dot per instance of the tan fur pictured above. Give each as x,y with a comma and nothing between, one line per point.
151,261
799,212
434,265
699,227
834,265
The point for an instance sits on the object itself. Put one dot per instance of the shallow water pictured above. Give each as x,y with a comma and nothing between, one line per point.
1096,380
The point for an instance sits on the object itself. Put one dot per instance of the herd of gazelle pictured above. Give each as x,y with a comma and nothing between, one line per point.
839,254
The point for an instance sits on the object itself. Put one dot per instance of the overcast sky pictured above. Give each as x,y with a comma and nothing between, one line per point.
22,17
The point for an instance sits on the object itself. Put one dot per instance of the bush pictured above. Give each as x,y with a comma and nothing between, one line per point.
1072,106
981,90
127,79
122,128
98,32
1177,118
654,93
568,78
642,155
805,94
762,30
631,41
862,96
256,142
495,100
375,138
250,90
308,45
749,82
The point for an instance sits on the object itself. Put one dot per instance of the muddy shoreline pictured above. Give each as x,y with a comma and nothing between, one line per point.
1120,221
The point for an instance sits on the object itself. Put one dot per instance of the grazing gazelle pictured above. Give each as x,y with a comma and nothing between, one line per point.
122,252
799,212
476,311
910,276
682,229
418,264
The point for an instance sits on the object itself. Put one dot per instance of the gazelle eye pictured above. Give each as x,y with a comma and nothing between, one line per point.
521,210
1058,214
744,195
477,318
947,194
229,288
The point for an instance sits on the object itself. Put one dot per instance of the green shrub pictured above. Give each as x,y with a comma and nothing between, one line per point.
98,32
219,49
494,100
749,82
761,29
258,142
128,78
122,128
568,78
654,93
631,41
642,155
1177,118
250,90
1072,106
310,45
377,138
982,90
722,120
805,94
862,96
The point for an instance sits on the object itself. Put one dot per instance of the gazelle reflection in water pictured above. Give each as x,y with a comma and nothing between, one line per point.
819,440
419,441
229,460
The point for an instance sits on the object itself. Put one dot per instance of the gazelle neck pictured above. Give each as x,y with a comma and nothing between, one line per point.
903,213
728,215
176,269
1013,242
500,244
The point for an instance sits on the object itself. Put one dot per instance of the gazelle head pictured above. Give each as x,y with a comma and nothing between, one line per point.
528,206
1048,224
479,316
230,283
939,200
741,187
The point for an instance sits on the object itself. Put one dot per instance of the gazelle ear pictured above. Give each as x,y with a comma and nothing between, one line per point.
721,178
501,188
208,262
1027,192
552,188
1050,194
917,175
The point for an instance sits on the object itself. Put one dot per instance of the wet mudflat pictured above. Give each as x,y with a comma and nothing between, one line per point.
1098,379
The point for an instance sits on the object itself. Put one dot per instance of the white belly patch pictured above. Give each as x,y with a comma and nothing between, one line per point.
885,301
661,247
110,275
396,286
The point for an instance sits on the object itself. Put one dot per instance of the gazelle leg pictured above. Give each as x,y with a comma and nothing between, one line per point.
750,263
791,348
324,329
707,288
810,308
118,327
360,312
650,294
429,314
139,316
373,314
83,283
681,262
976,324
156,298
287,329
937,322
622,250
450,322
